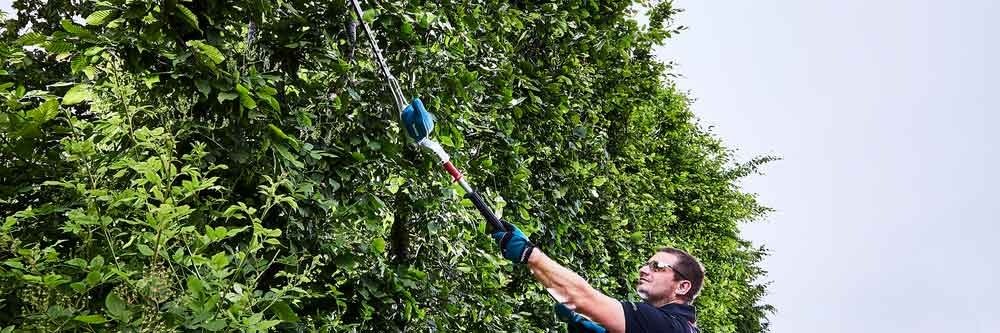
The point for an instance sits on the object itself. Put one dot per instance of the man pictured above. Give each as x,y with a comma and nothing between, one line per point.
668,284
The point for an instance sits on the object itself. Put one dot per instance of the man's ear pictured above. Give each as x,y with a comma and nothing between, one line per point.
683,288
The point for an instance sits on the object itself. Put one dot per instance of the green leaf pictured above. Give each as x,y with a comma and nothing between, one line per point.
90,71
598,181
57,47
265,90
278,132
220,260
188,16
79,287
60,84
369,15
287,156
93,50
76,29
378,244
14,264
144,249
93,278
31,38
77,262
207,50
523,213
195,285
91,319
79,93
284,312
424,19
214,325
266,325
394,183
406,29
54,280
516,101
245,98
96,262
116,307
416,273
151,80
44,112
204,87
101,17
215,234
225,96
271,102
78,63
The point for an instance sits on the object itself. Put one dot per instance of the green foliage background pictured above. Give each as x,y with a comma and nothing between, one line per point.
237,165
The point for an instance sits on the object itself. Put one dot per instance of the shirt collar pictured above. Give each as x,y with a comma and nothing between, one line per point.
683,310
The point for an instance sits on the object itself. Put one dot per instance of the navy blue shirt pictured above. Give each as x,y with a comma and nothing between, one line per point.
641,317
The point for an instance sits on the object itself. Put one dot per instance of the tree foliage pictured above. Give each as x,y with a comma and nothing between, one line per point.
237,165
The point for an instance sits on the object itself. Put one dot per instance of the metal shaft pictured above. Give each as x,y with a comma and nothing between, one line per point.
397,95
397,92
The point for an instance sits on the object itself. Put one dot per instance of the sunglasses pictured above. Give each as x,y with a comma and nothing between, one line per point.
657,266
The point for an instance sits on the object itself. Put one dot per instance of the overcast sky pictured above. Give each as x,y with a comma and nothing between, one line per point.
885,215
881,110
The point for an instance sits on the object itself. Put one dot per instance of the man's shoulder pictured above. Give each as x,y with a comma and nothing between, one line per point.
640,307
642,317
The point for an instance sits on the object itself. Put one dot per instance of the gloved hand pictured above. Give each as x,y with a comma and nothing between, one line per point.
576,322
514,245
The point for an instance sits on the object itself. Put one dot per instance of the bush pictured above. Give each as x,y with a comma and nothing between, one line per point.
237,165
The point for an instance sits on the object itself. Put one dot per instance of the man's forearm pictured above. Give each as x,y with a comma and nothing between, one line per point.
567,287
571,289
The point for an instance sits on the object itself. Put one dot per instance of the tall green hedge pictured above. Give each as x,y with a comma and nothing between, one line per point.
237,165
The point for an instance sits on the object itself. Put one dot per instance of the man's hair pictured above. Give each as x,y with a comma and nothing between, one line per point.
690,267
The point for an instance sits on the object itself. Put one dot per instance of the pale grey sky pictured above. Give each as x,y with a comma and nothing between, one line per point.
882,113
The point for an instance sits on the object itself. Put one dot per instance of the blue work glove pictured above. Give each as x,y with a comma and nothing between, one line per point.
576,322
514,245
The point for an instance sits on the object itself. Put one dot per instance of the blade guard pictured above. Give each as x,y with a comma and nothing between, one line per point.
418,122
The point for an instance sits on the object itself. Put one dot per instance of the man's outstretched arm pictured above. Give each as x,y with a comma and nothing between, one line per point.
576,293
573,290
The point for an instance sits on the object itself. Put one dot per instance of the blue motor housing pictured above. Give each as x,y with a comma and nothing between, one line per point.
418,122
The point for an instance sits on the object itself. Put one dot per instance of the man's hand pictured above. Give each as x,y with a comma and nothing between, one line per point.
576,322
514,245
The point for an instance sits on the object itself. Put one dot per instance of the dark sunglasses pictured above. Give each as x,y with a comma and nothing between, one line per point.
657,266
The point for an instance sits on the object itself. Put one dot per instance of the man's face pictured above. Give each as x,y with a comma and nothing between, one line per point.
656,287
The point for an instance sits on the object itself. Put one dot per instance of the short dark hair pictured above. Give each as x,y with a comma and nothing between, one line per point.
690,267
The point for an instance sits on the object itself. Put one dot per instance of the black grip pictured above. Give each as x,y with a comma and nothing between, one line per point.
486,212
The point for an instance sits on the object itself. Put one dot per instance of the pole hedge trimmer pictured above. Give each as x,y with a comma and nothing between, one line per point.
419,123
